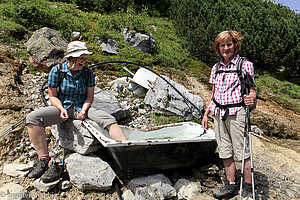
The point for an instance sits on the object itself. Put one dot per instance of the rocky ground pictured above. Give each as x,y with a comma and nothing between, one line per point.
276,162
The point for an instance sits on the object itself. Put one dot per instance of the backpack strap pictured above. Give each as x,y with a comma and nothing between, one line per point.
86,75
61,76
217,69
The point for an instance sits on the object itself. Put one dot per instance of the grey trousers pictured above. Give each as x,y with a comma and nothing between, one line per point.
50,115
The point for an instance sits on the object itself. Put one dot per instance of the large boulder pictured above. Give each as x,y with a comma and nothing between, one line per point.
46,48
166,100
107,102
89,172
155,186
72,135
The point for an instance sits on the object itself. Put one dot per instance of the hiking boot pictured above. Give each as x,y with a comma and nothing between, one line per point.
229,190
53,173
39,170
247,191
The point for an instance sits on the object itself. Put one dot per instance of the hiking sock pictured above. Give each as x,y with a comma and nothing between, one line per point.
44,156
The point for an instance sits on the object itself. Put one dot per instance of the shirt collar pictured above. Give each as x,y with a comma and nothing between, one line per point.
233,61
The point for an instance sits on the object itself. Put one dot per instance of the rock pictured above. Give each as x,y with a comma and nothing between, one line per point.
148,192
128,195
17,170
72,135
154,187
186,189
76,36
89,172
119,84
107,102
55,153
165,100
46,48
203,196
13,191
64,185
109,46
143,42
44,187
256,130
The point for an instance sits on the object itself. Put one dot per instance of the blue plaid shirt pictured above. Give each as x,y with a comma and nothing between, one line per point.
72,88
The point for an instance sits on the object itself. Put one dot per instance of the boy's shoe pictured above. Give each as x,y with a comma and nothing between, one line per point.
229,190
247,191
53,173
39,170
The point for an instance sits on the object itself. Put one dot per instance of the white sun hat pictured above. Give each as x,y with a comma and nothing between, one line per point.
76,49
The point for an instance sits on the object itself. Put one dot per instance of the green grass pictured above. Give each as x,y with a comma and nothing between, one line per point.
282,91
163,119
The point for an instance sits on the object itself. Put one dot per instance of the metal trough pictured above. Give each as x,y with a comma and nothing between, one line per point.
161,148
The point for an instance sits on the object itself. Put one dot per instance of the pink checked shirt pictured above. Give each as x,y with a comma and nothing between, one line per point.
227,86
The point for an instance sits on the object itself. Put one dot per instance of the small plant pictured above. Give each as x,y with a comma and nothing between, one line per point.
163,119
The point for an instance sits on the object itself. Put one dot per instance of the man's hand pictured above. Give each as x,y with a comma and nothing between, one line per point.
81,115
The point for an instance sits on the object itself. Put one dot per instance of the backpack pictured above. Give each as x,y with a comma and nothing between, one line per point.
246,81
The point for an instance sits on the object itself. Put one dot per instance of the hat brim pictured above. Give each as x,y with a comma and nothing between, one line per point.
77,54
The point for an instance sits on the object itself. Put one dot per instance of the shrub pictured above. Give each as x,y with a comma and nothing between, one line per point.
155,7
34,15
271,31
10,30
101,5
30,14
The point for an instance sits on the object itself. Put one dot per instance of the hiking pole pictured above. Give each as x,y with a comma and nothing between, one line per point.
247,134
251,155
13,127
